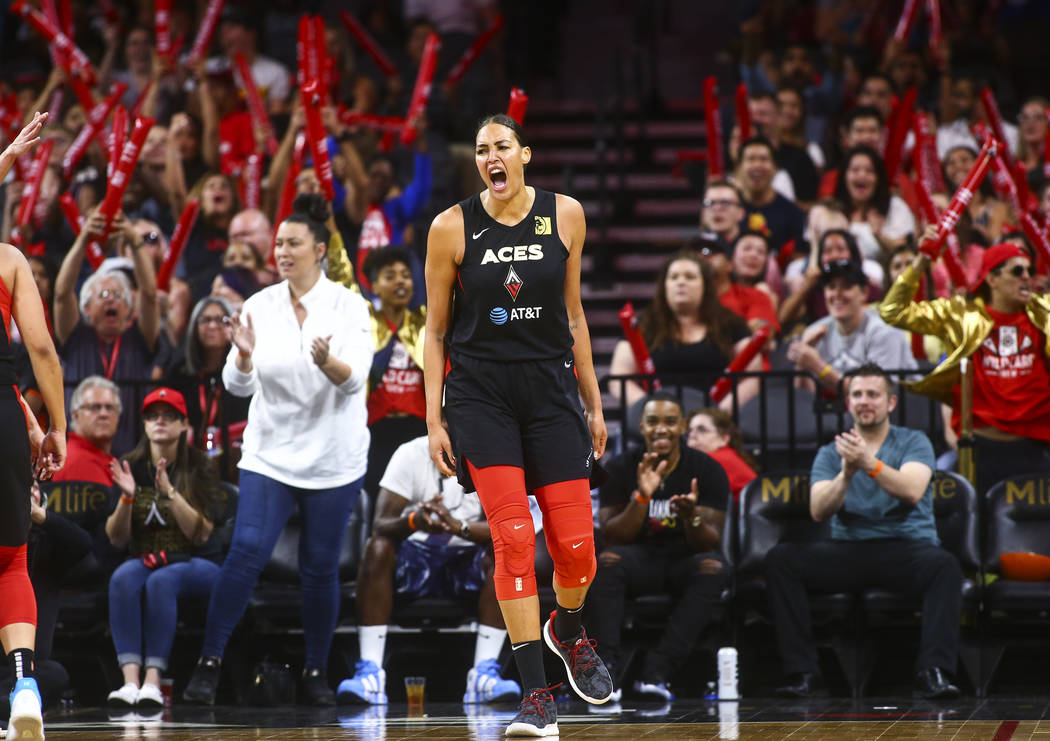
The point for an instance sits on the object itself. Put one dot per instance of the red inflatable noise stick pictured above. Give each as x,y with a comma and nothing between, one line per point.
118,182
713,126
31,190
519,102
640,350
962,198
421,92
177,244
317,138
740,362
93,252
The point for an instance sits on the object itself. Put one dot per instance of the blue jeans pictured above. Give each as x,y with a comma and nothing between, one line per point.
147,625
262,511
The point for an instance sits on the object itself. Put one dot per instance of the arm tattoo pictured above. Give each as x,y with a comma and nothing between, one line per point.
574,326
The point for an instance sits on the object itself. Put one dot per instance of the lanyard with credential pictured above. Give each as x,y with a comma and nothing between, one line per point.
209,406
110,366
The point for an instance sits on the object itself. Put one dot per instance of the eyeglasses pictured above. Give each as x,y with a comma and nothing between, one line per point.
719,203
111,293
151,238
168,415
701,430
1018,270
97,408
1026,117
203,320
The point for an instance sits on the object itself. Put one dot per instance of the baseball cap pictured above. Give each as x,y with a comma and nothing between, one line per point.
994,257
165,396
848,269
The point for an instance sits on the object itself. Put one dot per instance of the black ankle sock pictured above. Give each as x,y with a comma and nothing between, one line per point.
567,623
22,662
528,655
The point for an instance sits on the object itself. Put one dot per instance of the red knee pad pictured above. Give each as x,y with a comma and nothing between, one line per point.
569,528
19,603
502,493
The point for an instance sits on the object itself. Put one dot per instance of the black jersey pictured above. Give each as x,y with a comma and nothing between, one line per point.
509,297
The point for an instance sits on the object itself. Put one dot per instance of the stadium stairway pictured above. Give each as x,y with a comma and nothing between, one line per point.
620,166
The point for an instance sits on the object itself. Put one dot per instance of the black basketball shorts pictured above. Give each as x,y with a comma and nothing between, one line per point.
524,413
16,476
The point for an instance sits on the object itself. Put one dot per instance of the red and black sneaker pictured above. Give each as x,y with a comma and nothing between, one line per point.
587,674
537,715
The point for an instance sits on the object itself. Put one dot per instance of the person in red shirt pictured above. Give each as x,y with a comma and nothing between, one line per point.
713,431
1003,330
95,407
752,304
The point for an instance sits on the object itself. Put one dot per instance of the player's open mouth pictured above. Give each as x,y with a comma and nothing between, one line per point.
498,178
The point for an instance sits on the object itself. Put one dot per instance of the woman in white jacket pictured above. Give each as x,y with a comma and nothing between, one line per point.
302,348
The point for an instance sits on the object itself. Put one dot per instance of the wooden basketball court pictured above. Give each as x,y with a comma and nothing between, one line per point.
884,719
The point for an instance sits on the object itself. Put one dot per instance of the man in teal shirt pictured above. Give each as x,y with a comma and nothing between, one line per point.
874,481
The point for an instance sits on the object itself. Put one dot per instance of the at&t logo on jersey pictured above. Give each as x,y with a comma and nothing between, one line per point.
500,316
519,252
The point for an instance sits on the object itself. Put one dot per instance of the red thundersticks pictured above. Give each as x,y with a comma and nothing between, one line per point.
177,243
962,198
519,102
907,20
315,134
204,34
713,123
901,122
952,260
385,124
284,207
924,156
642,359
368,44
67,50
251,177
471,54
31,190
260,119
421,92
740,362
117,135
118,182
93,251
162,27
743,112
96,119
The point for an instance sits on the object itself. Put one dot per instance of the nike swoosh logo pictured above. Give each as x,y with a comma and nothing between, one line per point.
478,234
519,527
568,363
577,545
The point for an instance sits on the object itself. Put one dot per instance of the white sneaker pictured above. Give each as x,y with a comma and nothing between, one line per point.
149,696
27,722
126,696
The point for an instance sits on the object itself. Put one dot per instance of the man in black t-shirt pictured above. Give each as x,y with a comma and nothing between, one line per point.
661,518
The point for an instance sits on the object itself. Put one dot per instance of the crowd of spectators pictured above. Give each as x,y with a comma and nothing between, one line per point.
806,234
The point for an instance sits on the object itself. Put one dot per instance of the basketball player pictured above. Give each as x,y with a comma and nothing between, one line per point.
503,297
23,446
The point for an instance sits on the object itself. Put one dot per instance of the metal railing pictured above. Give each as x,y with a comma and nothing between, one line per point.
782,422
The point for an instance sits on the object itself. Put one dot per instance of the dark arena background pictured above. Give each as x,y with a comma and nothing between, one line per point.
795,155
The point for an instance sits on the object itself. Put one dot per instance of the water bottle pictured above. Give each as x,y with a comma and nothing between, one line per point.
727,689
